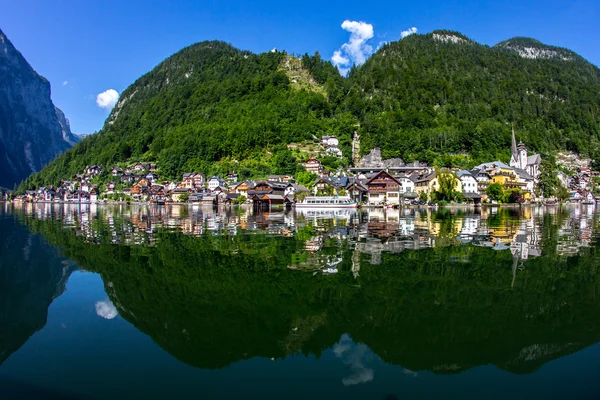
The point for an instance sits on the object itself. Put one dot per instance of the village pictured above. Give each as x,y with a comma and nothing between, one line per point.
371,182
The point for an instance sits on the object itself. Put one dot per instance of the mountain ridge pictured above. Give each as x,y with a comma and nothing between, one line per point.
423,97
32,130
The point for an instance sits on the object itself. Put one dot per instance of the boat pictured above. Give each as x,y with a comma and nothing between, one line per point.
327,202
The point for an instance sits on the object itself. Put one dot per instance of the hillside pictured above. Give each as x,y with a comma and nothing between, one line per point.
426,97
206,102
32,130
444,93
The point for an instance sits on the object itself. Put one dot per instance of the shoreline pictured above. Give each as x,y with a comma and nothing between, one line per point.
411,206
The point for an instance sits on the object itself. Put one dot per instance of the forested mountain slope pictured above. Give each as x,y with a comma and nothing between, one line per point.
439,97
442,92
206,102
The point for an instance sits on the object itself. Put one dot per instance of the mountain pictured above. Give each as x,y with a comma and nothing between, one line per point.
32,130
427,96
32,276
439,97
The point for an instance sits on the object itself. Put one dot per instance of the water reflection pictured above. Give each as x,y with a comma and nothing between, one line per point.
441,290
371,232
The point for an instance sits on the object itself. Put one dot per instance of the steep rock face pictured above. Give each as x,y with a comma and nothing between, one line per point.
534,49
32,130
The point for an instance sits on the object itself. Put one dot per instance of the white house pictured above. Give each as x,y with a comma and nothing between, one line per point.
215,182
406,185
469,183
330,141
334,151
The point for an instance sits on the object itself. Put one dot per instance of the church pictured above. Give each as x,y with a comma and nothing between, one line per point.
520,160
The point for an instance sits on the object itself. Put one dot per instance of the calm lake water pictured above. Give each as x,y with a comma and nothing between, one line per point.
190,302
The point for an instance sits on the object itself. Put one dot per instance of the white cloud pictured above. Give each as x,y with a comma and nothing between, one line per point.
107,99
408,32
339,59
354,355
356,50
65,83
106,309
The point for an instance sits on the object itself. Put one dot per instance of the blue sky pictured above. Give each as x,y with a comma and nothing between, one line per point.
88,47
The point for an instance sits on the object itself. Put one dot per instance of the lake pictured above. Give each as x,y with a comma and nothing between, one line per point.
191,302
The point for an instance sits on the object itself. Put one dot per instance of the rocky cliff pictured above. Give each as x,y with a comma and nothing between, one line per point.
32,130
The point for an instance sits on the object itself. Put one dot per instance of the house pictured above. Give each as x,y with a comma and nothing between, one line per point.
503,174
468,181
151,177
294,190
68,185
94,193
170,186
220,189
116,171
179,194
262,187
93,170
139,190
406,186
152,167
198,180
329,141
383,189
527,184
280,178
327,185
313,165
157,193
138,167
334,152
195,197
49,194
243,188
483,179
110,187
231,177
215,182
358,191
426,183
86,187
127,177
187,181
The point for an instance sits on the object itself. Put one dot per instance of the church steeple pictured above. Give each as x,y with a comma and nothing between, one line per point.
514,151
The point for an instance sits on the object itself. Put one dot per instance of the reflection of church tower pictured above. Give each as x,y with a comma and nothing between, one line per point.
356,148
355,262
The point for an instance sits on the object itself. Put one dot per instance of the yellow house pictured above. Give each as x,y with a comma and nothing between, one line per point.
506,176
427,183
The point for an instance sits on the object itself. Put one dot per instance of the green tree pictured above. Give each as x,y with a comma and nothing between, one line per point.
495,191
447,182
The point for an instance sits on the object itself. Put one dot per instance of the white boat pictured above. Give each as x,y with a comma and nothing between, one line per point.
327,202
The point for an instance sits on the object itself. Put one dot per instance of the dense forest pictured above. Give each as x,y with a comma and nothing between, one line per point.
440,98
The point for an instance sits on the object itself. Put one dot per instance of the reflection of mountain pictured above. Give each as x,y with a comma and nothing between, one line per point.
31,277
213,301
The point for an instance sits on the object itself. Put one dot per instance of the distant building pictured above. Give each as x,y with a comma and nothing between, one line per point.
215,182
313,165
521,160
330,141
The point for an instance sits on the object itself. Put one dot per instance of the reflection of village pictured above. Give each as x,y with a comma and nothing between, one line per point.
327,235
